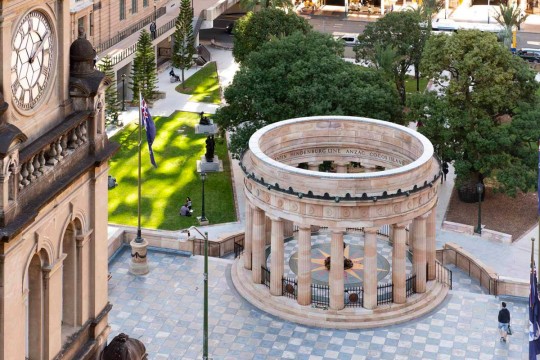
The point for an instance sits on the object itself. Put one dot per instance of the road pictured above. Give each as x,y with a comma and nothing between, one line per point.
336,26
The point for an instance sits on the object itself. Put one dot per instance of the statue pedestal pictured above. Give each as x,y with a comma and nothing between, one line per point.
214,166
206,129
139,260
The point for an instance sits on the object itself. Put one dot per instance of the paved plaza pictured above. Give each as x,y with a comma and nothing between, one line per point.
164,310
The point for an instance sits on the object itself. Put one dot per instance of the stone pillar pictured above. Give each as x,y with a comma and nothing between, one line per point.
278,252
268,231
431,245
341,167
288,228
83,281
370,268
257,259
313,166
52,327
382,7
248,236
337,286
399,274
419,253
304,265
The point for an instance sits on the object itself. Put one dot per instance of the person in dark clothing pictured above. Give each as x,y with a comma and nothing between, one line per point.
444,170
504,321
184,211
173,75
153,30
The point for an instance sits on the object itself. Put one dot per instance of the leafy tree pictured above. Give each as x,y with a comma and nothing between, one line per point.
254,29
112,105
184,39
301,75
144,71
509,16
482,116
250,5
399,31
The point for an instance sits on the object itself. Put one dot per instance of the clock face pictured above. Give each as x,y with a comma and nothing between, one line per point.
31,60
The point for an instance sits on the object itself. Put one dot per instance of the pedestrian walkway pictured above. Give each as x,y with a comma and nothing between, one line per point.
164,310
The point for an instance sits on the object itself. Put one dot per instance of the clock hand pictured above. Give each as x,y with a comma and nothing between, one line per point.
38,48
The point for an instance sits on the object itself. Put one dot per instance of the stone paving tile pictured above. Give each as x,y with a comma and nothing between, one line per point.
164,310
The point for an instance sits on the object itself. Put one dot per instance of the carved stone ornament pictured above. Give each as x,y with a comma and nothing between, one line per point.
122,347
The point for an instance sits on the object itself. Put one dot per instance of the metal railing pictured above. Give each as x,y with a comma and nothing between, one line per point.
410,285
290,287
265,274
443,275
320,295
238,249
121,35
354,296
385,293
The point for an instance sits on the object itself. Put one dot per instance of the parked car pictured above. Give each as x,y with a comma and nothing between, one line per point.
229,29
349,39
532,55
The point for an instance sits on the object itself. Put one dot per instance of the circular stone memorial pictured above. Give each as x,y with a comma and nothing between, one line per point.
339,174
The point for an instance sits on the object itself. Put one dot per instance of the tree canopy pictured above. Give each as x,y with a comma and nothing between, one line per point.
256,28
184,39
487,106
144,70
301,75
399,31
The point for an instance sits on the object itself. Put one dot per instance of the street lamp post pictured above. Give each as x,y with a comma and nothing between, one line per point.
203,178
479,190
123,92
488,11
205,310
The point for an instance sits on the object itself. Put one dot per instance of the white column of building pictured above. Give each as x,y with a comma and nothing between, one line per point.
382,7
248,236
370,268
337,286
259,235
419,253
268,230
276,259
399,253
304,265
288,228
341,167
313,166
431,246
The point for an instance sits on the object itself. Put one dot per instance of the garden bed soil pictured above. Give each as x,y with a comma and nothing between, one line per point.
514,216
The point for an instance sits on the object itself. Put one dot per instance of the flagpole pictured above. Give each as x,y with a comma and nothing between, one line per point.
139,236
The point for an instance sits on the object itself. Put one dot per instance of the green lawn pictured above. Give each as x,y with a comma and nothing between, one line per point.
164,190
410,84
203,85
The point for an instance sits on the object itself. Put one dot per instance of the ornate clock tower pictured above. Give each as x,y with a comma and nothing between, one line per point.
53,187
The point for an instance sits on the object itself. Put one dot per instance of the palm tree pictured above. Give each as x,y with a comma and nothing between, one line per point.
249,5
509,16
429,9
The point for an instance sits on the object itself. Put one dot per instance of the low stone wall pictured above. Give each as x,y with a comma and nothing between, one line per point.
175,240
494,283
469,230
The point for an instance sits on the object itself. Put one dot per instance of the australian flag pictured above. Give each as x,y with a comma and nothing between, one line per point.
149,127
534,318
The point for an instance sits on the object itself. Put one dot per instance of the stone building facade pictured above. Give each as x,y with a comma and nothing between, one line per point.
53,187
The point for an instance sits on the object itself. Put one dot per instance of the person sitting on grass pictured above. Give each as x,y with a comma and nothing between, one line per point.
184,211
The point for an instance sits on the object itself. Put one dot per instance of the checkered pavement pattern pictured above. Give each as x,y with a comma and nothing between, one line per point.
384,248
164,309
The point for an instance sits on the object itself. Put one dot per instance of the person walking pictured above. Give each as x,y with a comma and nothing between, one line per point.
504,321
444,170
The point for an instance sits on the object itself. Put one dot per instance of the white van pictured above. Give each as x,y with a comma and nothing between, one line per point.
349,39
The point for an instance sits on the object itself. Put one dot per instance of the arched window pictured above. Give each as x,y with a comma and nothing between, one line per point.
35,310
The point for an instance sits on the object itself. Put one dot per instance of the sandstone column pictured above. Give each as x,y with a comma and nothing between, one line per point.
304,265
313,166
370,268
431,244
337,286
341,167
419,253
288,228
276,259
399,253
52,309
248,236
258,245
268,230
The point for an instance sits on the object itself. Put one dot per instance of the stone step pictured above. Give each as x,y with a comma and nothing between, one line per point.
348,318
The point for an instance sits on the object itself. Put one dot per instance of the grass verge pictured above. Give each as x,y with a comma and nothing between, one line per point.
203,85
177,149
410,84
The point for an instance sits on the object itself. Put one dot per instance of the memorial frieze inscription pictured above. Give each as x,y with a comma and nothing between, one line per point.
364,154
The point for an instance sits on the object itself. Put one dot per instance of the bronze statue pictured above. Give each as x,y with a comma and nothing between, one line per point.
210,146
204,120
